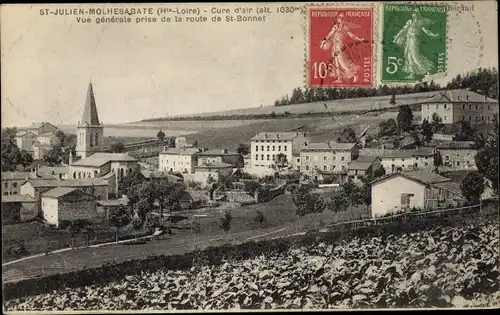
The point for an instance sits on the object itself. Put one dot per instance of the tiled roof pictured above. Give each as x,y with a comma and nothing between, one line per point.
111,202
329,145
215,165
68,182
362,163
425,177
449,186
406,153
456,145
287,136
424,151
46,134
15,175
218,152
17,198
161,174
460,95
90,115
58,192
25,133
98,159
181,151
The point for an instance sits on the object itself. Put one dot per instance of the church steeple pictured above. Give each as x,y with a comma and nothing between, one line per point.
90,132
90,115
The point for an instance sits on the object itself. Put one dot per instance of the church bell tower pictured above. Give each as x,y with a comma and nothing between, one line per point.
90,131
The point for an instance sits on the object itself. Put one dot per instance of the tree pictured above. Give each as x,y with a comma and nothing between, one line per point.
119,218
388,128
11,155
379,171
137,224
73,229
307,202
61,137
225,222
196,228
427,131
348,195
487,158
127,184
143,207
348,135
466,132
251,187
405,118
393,99
88,231
160,135
243,148
436,123
472,187
117,147
438,160
54,156
281,161
260,218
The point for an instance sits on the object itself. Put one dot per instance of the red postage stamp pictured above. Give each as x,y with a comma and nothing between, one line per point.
340,46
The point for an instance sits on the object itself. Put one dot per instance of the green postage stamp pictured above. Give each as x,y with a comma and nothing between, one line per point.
413,42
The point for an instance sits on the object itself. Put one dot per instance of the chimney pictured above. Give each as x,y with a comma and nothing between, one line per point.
278,135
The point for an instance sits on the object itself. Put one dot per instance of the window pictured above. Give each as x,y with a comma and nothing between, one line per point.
476,106
445,118
325,168
279,148
405,199
332,167
489,107
458,163
470,107
437,106
256,157
333,158
262,148
256,148
447,158
298,160
14,193
426,164
463,118
402,160
477,118
482,117
267,148
307,167
5,185
14,185
470,118
463,106
268,157
285,148
274,148
274,157
262,157
393,160
307,157
325,158
342,158
445,106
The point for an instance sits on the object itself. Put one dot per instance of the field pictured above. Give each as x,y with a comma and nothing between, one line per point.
453,266
353,104
280,221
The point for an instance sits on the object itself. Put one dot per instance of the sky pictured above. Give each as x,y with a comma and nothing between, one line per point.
142,71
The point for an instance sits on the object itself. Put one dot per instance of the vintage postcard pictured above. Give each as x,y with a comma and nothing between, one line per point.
249,156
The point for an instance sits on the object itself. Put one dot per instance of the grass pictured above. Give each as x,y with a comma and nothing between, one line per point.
279,213
40,238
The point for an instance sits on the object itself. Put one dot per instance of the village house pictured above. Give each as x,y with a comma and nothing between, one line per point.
37,139
178,160
220,156
417,189
211,172
36,187
458,155
460,105
12,182
318,159
25,140
67,204
296,161
180,142
17,208
362,168
57,172
265,146
403,160
104,208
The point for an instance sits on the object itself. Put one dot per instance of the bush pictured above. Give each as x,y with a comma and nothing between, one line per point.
17,250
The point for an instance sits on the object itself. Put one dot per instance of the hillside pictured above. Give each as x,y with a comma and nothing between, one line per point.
353,104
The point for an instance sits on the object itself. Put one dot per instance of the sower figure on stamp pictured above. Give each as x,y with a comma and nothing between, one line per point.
415,63
343,66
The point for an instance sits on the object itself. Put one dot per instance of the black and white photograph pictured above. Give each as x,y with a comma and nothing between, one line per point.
206,157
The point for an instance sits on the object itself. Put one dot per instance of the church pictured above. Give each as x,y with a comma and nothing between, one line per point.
91,161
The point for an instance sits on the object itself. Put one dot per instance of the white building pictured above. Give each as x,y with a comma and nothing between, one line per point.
178,160
265,146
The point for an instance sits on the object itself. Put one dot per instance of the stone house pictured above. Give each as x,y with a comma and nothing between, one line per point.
363,167
458,155
67,203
